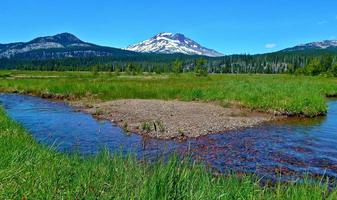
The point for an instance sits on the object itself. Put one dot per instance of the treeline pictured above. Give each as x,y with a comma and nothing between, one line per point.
297,63
323,65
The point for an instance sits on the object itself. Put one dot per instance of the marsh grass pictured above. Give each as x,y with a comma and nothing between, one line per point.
29,170
283,93
161,125
146,126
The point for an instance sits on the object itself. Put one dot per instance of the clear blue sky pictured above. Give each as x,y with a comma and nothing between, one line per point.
229,26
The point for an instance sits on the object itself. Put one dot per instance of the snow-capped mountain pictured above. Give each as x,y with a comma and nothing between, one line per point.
169,43
326,44
58,46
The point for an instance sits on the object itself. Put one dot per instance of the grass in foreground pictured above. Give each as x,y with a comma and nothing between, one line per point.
283,93
29,170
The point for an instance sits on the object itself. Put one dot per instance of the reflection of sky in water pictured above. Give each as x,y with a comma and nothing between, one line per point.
293,146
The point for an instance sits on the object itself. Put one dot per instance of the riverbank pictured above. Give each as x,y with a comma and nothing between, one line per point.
277,94
175,119
29,170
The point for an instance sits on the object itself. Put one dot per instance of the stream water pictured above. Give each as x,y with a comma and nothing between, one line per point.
288,149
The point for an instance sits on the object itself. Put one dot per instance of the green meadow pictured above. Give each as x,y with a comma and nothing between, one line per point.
288,94
29,170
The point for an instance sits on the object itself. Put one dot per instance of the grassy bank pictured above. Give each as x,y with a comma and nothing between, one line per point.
29,170
283,93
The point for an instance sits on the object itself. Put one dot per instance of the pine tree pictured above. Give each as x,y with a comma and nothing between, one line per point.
200,69
94,70
334,70
177,66
117,70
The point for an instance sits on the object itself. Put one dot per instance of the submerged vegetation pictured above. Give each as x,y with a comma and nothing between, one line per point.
29,170
284,94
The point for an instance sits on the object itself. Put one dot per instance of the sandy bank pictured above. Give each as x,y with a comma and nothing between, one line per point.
175,119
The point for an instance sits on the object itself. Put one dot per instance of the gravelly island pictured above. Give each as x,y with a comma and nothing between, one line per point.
175,119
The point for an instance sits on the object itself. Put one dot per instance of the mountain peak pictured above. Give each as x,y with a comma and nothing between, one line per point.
164,34
64,39
170,43
179,35
67,36
325,44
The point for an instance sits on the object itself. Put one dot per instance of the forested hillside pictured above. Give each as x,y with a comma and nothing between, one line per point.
309,63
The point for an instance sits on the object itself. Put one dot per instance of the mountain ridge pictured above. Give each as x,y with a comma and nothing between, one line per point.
67,45
320,45
61,45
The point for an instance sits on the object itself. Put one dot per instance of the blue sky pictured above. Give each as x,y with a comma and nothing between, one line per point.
229,26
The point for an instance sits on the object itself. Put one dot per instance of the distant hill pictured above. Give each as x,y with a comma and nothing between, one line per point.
64,45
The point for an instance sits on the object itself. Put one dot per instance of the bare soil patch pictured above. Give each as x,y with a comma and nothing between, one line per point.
175,119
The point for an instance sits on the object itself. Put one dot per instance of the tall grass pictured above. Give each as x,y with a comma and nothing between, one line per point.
283,93
31,171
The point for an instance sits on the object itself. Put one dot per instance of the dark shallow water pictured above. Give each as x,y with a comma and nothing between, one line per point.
288,149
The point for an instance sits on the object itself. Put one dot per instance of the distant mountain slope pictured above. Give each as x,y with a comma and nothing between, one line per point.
164,48
323,45
62,45
169,43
